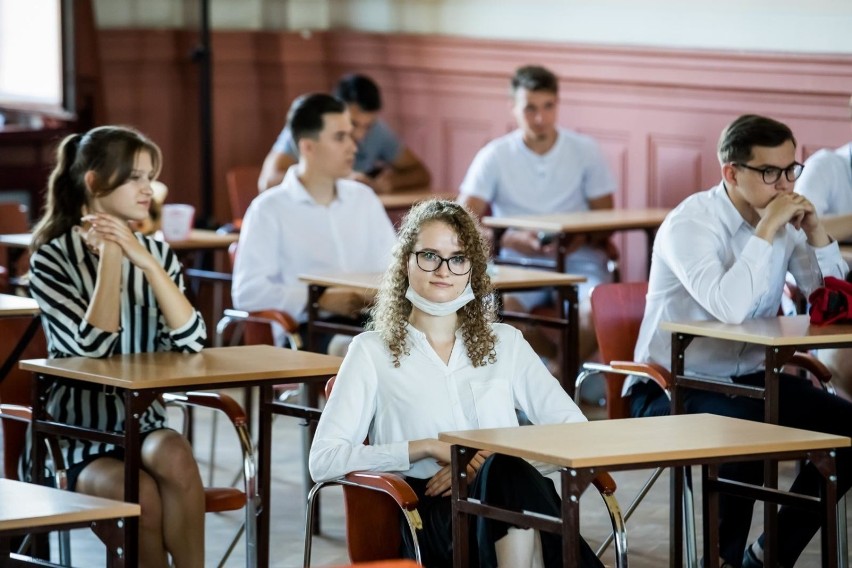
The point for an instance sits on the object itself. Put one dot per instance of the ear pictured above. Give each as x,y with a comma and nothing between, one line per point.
89,178
306,146
729,174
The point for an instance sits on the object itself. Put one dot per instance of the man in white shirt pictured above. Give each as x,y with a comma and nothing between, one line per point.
827,179
542,168
722,255
315,221
827,182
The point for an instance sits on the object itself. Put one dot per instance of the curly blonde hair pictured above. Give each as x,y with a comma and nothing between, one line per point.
392,309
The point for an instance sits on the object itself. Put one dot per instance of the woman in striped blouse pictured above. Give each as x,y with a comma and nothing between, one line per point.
104,290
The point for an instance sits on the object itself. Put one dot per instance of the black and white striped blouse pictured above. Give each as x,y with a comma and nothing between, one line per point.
63,274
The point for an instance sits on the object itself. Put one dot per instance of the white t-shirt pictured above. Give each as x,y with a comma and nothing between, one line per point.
517,181
827,181
286,233
708,265
423,397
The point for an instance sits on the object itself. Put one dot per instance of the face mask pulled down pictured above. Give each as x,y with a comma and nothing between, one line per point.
439,308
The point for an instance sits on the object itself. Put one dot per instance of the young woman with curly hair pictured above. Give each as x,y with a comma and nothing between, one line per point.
435,361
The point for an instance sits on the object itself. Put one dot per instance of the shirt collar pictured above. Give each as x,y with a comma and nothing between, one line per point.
293,186
728,212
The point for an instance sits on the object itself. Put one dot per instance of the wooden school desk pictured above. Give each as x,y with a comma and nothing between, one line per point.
781,338
641,443
566,225
403,199
14,307
506,279
26,508
141,377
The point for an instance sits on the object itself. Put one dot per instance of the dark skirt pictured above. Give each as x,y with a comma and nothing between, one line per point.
503,481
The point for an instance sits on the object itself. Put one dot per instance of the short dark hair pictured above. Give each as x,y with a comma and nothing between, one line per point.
360,90
748,131
534,78
305,117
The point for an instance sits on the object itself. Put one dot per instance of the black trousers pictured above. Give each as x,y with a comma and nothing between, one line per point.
800,405
503,481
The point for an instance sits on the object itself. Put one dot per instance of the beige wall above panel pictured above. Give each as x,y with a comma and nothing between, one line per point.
816,26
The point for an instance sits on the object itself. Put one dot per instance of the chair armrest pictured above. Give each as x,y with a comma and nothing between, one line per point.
283,319
656,373
217,401
812,365
604,483
389,483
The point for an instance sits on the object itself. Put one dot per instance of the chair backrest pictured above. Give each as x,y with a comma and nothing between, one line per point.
14,218
254,333
16,390
242,188
373,529
617,311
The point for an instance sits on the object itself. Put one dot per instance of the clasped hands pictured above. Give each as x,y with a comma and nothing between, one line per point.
103,233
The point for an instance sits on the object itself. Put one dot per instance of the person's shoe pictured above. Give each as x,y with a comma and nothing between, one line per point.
750,560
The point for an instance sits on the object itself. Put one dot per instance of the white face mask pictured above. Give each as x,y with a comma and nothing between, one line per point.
439,308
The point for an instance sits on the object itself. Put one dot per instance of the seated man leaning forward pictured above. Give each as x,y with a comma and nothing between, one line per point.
722,255
381,160
542,168
316,221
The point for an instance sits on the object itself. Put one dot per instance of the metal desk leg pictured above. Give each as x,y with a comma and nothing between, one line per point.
569,355
135,404
264,469
461,520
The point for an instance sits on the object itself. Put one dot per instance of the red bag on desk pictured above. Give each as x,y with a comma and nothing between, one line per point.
832,303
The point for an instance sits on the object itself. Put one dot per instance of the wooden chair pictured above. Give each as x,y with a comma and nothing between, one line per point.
16,414
374,500
14,218
617,312
242,188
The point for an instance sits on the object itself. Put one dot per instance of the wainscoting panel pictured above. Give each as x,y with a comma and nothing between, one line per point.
657,113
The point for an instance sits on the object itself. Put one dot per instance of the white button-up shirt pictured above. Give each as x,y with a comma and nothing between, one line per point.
827,181
708,264
423,397
286,233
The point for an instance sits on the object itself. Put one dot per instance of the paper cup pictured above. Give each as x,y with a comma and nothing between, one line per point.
177,221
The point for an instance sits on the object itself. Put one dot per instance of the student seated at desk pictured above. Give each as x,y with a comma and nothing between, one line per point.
381,161
541,168
436,361
827,182
316,221
722,255
104,290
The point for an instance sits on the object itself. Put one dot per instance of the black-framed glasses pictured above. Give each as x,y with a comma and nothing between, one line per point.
771,174
428,261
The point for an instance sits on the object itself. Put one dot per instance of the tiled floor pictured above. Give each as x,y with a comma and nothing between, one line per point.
647,530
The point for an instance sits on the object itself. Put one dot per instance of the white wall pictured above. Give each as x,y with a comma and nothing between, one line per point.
815,26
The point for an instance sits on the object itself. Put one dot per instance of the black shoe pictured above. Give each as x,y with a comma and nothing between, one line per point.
750,560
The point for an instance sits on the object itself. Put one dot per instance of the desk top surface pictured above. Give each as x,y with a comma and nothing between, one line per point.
26,505
12,306
171,370
778,331
408,197
635,441
583,222
505,278
198,239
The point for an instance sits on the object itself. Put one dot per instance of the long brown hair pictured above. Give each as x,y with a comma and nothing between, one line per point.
107,151
390,314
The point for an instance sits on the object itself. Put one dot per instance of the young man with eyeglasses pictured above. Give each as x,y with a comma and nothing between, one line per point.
722,255
316,221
